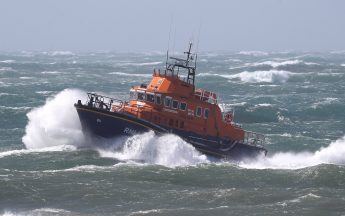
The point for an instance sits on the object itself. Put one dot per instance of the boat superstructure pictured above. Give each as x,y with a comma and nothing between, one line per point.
171,103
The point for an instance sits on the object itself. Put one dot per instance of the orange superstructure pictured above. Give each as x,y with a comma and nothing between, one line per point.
169,101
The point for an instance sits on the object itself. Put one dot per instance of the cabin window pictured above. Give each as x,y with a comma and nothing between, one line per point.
175,104
141,96
133,95
176,123
206,113
181,124
183,106
171,122
150,98
158,100
198,111
167,101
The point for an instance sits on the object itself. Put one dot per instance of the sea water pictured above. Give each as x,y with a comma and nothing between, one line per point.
48,167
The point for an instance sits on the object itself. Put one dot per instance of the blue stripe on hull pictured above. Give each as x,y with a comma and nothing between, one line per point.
110,124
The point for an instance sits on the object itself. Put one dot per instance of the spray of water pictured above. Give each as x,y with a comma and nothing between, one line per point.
332,154
167,150
56,124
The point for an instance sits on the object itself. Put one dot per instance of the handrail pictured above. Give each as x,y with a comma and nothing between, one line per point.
103,102
206,96
253,138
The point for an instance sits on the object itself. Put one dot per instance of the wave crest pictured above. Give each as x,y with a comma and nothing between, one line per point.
271,76
55,123
167,150
332,154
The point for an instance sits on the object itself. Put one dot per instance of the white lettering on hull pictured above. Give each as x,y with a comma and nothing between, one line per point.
129,131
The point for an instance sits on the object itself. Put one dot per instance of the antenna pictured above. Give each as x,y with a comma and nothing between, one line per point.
173,49
170,32
197,44
166,62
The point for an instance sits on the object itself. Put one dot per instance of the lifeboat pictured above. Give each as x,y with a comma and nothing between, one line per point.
171,103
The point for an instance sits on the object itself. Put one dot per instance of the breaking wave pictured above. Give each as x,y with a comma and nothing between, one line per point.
131,74
253,53
277,64
271,76
167,150
61,53
41,211
55,123
139,64
18,152
332,154
55,126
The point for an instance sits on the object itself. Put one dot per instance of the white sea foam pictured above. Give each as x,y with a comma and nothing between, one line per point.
51,72
131,74
325,101
7,94
44,92
139,64
342,65
15,108
332,154
167,150
26,78
338,52
271,76
6,69
8,61
55,123
61,53
233,60
44,149
275,63
253,53
40,211
264,105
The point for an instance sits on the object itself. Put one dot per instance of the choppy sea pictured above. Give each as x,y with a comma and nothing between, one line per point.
47,167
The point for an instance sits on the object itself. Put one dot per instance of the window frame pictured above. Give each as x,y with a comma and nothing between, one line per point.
172,104
185,108
208,113
151,94
141,92
196,113
165,101
160,99
133,95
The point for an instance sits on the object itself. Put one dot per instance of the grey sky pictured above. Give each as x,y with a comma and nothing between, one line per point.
143,25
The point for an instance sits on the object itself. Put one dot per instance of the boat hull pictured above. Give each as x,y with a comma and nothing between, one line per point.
105,124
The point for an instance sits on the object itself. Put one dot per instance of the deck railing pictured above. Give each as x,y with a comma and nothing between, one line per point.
253,138
115,105
103,102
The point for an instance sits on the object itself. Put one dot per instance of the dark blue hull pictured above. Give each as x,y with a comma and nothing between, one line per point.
107,124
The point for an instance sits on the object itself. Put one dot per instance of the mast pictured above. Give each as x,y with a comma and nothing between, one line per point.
189,64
